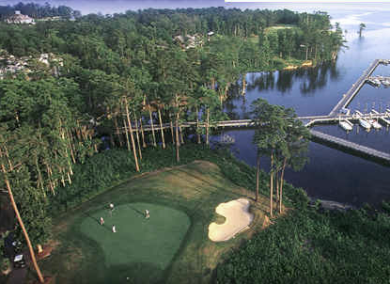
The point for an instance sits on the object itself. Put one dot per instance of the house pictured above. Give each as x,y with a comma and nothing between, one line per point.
19,18
10,65
189,41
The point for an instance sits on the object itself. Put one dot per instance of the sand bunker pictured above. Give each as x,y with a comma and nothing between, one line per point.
237,220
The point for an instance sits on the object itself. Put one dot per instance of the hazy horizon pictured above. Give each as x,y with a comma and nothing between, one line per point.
121,6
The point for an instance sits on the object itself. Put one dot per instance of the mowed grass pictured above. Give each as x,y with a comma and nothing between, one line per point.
171,247
138,240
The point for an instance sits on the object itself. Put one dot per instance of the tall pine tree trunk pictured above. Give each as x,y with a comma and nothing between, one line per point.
271,185
142,133
11,167
207,125
171,124
152,125
197,125
177,138
131,136
161,128
127,135
137,136
71,147
49,176
281,186
30,247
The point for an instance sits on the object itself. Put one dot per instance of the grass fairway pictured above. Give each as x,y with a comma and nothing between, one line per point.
171,247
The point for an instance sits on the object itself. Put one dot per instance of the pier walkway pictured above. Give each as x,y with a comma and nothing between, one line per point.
354,146
307,121
348,96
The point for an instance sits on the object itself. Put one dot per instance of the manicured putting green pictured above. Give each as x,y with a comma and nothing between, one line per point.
138,240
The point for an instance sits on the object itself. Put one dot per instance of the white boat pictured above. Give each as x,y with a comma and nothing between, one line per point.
386,83
358,113
345,125
364,123
227,139
374,82
375,124
345,111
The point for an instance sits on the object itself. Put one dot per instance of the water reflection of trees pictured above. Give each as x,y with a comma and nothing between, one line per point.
230,105
261,81
309,79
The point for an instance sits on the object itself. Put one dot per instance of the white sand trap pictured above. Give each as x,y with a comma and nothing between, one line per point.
237,220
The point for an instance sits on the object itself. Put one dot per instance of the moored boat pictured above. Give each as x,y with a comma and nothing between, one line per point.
364,123
386,83
345,125
375,124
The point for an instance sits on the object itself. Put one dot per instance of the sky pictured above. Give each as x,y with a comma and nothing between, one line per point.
119,6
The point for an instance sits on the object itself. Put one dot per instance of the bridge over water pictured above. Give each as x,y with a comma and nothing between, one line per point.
334,116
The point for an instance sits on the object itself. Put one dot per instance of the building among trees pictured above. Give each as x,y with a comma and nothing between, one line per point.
19,18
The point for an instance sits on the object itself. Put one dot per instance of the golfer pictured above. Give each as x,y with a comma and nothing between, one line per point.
111,208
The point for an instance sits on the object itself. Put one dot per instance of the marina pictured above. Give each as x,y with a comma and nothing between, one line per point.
313,93
378,80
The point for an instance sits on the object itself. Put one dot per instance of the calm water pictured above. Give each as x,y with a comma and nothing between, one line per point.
331,174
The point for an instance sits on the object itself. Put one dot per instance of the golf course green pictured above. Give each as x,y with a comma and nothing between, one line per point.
153,241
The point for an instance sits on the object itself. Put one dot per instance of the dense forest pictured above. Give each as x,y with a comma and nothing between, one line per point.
114,75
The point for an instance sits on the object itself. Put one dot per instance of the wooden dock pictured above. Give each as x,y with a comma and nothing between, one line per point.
352,92
350,145
307,121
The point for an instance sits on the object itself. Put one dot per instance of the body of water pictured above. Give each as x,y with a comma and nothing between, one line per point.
331,173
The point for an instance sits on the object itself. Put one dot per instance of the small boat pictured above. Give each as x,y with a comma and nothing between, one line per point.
358,113
364,123
345,125
227,139
375,124
345,111
386,83
374,82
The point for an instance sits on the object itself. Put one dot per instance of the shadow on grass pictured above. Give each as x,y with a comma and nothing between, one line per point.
96,220
136,210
